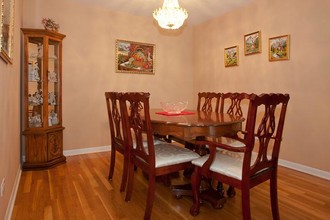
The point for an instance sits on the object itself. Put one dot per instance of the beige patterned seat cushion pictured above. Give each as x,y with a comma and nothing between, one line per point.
169,154
225,163
145,143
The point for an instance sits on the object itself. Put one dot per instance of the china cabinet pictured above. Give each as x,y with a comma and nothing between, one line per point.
42,99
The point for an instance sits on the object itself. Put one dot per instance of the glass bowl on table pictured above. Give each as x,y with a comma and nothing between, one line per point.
174,107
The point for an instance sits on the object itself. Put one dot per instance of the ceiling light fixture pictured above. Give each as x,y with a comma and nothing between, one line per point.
171,15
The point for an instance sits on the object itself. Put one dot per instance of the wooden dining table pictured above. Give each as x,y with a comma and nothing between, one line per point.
190,125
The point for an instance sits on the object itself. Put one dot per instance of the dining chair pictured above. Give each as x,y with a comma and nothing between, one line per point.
232,103
117,141
259,151
154,160
208,101
236,105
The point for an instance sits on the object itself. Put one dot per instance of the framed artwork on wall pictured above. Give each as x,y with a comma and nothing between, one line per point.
279,48
231,56
135,57
7,30
252,43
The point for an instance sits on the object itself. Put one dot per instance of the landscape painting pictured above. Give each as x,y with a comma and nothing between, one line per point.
231,56
252,43
279,48
135,57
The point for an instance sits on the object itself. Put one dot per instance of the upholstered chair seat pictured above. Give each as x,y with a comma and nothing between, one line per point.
169,154
229,164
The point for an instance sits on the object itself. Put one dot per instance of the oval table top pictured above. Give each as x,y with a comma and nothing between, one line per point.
196,118
193,125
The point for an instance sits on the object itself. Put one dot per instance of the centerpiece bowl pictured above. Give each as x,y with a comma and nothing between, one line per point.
174,107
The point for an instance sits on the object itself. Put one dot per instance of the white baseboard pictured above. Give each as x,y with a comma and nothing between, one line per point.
12,198
305,169
83,151
86,150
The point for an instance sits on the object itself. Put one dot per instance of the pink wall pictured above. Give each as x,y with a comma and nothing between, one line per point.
305,76
89,64
10,117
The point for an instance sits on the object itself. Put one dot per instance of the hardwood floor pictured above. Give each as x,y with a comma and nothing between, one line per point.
80,189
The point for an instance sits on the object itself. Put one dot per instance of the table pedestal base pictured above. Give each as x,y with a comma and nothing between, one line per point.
208,194
214,197
182,190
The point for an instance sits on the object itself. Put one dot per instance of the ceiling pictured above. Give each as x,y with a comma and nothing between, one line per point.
198,10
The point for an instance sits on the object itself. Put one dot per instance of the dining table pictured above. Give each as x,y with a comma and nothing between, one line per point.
190,124
193,124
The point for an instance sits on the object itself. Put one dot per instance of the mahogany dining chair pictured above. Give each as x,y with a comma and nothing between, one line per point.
259,153
117,141
206,102
235,104
153,159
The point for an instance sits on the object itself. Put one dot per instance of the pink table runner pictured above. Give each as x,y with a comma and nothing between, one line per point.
175,114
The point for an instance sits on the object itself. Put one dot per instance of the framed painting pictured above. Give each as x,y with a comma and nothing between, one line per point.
231,56
7,30
135,57
279,48
252,43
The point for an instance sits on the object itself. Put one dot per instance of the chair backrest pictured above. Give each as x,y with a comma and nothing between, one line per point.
136,122
115,119
232,103
208,101
236,105
264,128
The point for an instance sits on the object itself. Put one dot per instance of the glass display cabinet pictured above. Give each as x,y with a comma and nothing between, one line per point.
42,99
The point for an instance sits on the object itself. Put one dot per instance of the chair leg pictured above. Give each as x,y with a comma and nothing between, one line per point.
130,182
125,174
231,192
246,203
195,184
151,197
273,196
112,163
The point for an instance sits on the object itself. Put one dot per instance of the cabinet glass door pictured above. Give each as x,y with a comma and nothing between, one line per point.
53,74
35,82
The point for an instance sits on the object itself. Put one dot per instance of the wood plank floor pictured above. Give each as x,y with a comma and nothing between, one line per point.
79,189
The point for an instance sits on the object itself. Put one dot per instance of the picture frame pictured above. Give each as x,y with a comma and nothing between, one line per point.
7,8
279,48
252,43
135,57
231,55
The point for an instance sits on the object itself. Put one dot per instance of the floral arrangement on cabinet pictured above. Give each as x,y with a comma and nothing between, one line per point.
49,24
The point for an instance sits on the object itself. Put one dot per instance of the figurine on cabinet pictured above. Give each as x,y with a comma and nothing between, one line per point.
52,118
40,50
35,121
51,98
34,72
52,76
36,98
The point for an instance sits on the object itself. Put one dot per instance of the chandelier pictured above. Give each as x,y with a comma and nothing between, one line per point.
171,15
